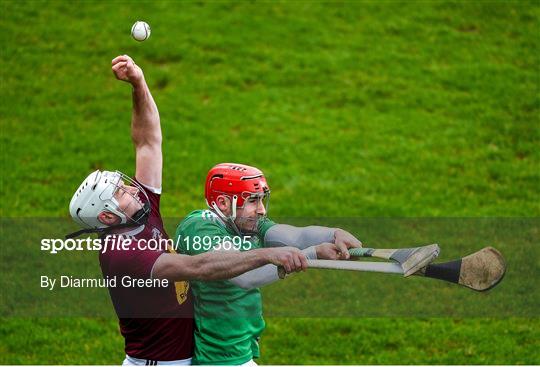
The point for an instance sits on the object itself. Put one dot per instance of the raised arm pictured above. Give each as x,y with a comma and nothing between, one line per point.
145,124
219,265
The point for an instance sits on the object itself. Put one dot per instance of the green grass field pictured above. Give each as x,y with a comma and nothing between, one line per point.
353,110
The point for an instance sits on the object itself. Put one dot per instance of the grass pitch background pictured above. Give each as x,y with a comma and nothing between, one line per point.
373,109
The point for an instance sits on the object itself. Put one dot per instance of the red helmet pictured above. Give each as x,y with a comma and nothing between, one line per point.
237,181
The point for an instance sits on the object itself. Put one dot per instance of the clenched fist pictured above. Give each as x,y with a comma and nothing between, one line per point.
344,241
328,251
124,68
290,258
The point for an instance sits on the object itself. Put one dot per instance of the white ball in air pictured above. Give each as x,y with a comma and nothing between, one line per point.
140,31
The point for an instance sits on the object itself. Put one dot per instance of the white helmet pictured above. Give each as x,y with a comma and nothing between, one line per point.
96,194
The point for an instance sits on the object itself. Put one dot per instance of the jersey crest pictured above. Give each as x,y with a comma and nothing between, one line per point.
209,216
156,234
181,288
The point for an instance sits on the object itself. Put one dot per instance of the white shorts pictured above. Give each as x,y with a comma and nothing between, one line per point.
250,363
130,361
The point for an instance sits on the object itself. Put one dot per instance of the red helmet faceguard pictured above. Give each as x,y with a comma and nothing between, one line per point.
236,181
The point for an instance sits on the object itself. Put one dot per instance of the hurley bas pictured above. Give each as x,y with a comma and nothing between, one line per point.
65,281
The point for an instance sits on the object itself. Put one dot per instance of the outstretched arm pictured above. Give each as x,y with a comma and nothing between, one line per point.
265,274
269,273
303,237
145,124
219,265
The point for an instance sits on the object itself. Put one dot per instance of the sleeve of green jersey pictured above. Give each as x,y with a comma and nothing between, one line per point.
264,226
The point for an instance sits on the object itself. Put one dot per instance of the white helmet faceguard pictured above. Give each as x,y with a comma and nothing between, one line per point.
97,194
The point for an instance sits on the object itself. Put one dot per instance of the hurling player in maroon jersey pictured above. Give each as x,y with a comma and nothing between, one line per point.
155,320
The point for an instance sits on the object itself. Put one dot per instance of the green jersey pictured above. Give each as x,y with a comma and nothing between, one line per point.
228,319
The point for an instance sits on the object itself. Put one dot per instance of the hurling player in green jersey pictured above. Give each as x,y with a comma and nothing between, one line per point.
228,314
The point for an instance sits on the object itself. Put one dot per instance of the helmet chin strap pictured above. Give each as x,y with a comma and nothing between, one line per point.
229,220
139,218
234,200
